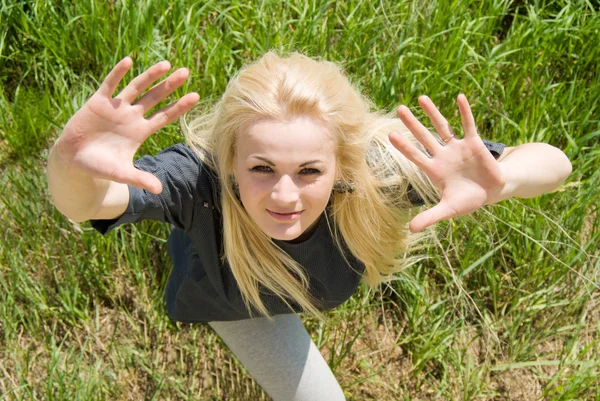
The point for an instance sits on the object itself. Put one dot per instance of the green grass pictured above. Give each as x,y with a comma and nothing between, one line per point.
505,307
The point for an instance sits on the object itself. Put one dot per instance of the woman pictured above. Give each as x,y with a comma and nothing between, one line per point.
287,194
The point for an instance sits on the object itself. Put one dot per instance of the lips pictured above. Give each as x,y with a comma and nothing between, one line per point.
285,216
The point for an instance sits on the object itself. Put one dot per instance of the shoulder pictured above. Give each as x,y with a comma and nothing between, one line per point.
182,172
178,159
178,152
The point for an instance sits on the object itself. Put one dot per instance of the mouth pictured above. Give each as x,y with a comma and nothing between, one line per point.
285,216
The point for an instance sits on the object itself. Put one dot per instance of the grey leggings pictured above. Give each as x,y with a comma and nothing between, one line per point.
281,357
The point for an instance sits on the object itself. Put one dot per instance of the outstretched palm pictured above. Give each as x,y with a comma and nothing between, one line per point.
102,137
466,173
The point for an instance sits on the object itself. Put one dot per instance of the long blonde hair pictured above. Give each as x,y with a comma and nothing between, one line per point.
279,88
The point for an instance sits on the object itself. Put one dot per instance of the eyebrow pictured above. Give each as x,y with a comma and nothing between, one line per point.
269,162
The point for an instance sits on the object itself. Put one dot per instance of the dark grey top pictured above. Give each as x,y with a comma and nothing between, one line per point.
201,287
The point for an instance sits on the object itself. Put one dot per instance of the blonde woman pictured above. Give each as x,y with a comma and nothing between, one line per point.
288,193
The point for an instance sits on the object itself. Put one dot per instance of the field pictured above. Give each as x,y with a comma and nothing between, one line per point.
505,304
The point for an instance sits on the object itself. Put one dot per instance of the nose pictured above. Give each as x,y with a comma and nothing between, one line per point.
285,191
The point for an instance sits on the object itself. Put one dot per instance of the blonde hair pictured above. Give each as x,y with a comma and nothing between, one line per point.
279,89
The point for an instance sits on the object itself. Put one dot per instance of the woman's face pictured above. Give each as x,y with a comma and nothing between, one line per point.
285,171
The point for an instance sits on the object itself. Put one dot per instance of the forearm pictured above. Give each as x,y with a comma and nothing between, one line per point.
75,194
533,169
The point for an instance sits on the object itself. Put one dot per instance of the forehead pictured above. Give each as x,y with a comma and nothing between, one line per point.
291,141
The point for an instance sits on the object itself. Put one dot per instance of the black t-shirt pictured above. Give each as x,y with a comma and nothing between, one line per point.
202,287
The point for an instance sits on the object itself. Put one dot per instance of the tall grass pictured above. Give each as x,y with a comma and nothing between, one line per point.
506,305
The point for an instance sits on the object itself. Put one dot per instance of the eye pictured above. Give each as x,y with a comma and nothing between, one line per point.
309,171
261,169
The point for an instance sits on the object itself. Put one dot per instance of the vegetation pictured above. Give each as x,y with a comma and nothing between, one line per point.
504,306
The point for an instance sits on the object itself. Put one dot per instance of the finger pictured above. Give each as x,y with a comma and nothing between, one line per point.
439,122
409,150
158,93
110,83
466,116
419,131
170,113
431,216
140,83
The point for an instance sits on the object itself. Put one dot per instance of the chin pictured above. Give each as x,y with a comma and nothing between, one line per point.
285,235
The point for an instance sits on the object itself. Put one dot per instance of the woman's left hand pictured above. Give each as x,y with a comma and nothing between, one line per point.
464,170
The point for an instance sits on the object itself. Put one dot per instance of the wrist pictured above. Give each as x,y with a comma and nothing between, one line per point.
511,182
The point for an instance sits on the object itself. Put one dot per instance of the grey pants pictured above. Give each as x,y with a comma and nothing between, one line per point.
281,357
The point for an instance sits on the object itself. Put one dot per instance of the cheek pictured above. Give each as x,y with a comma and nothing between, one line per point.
319,191
253,190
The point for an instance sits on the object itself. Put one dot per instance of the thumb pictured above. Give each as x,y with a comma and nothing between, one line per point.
431,216
143,180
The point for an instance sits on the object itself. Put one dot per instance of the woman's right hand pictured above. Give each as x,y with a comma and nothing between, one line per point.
102,137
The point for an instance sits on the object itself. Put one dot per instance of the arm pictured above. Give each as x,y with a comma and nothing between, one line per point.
532,169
